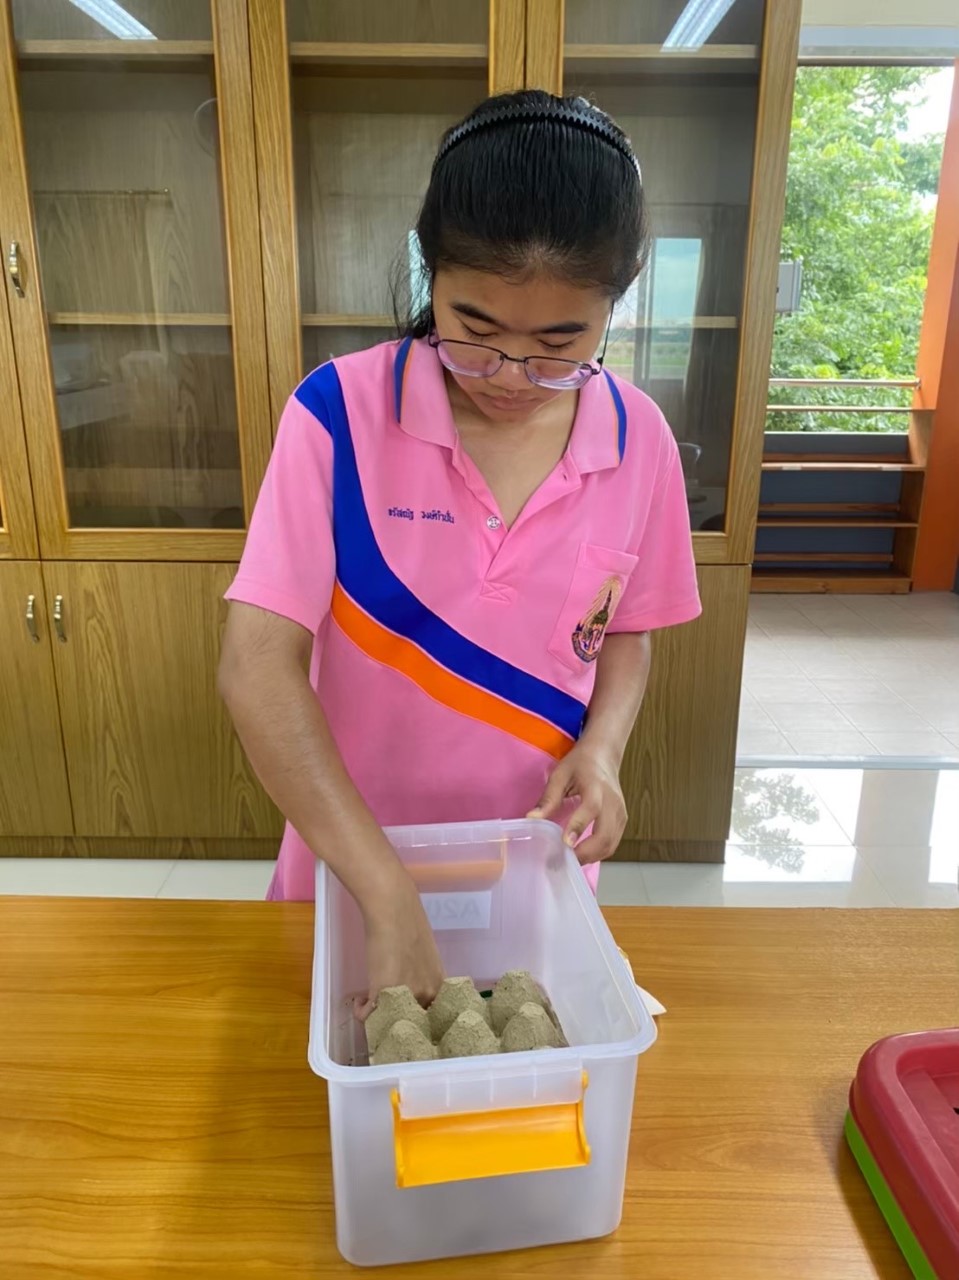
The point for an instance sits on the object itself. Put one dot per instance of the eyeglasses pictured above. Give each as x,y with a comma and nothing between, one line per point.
471,360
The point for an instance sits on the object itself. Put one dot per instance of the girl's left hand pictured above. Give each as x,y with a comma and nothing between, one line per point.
591,774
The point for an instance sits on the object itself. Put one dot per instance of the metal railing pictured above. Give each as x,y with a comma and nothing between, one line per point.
833,383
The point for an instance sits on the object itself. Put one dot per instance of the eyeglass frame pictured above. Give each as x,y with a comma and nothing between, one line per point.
593,370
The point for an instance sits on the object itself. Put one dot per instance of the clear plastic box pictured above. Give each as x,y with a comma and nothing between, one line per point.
500,895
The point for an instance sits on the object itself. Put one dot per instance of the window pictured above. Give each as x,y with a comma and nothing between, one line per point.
863,173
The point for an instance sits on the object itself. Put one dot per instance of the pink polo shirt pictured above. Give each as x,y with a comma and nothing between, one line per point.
455,657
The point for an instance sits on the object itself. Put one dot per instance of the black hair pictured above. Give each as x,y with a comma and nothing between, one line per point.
529,182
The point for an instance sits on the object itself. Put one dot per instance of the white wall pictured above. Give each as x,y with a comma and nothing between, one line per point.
890,27
880,13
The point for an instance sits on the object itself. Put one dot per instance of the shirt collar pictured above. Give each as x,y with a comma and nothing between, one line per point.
420,402
598,441
421,406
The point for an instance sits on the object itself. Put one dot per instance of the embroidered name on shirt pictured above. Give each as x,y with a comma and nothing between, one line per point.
445,516
400,513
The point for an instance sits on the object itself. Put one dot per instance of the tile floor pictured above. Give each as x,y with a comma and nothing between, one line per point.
851,677
834,837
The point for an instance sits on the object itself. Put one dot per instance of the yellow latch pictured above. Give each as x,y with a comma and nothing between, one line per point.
488,1144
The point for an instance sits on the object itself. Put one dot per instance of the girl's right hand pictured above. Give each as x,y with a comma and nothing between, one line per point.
400,947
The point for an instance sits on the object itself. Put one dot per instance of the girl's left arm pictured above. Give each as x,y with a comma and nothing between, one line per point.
591,769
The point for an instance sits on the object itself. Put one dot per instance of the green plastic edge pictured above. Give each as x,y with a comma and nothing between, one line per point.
911,1248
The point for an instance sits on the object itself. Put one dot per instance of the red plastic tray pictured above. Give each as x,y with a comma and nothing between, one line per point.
905,1101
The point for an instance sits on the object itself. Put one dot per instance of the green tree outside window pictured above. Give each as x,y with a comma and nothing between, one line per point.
859,212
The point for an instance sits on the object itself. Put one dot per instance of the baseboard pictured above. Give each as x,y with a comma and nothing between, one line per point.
671,851
133,847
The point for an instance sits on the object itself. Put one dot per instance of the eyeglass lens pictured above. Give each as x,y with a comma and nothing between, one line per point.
475,361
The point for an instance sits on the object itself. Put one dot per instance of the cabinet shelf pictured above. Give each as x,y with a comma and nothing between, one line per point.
624,60
165,486
387,54
829,508
829,581
837,522
819,462
319,319
186,319
823,557
656,53
171,50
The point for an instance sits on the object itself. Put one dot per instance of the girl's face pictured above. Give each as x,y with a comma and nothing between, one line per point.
542,316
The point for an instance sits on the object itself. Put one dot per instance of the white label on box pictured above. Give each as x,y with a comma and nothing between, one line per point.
458,910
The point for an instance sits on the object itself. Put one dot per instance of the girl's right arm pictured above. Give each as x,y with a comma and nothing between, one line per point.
264,681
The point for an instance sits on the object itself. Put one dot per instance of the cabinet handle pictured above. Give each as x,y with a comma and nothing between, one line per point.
13,266
58,619
31,620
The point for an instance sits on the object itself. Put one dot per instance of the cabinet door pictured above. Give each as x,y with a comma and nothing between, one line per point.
128,209
34,797
150,748
351,101
18,534
679,767
704,93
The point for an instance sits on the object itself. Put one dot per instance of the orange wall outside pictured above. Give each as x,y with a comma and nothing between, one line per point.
937,547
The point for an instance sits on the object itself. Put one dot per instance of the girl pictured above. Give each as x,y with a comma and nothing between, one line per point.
465,537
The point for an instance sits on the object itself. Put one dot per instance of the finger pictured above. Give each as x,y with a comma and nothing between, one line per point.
605,837
587,812
363,1008
554,795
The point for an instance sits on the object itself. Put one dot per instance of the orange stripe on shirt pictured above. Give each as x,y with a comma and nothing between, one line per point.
442,686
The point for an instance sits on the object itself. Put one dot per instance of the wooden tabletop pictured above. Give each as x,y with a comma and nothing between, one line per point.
158,1117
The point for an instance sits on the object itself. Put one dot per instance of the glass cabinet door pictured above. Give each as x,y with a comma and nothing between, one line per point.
18,535
147,413
370,89
373,87
683,81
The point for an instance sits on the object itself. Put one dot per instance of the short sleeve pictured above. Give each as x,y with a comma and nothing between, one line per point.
288,564
662,590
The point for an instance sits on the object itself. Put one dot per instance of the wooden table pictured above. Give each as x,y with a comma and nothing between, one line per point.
158,1117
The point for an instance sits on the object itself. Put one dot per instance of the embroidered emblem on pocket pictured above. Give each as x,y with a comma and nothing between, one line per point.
587,639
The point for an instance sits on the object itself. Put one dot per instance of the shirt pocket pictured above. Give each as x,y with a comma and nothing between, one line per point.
595,590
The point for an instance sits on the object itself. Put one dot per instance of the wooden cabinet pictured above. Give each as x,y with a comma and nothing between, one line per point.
705,94
34,796
18,531
128,210
200,201
149,746
132,335
350,102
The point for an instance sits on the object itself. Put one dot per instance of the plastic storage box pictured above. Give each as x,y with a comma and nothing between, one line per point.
903,1128
448,1158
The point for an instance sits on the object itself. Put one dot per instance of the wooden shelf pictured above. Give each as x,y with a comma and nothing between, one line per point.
174,50
387,54
628,63
156,486
822,557
821,462
314,319
186,319
829,581
656,53
829,508
838,522
319,319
